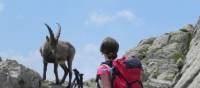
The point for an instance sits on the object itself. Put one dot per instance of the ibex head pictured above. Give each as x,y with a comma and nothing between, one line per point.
53,40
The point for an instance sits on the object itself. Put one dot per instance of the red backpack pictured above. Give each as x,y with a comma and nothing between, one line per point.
125,73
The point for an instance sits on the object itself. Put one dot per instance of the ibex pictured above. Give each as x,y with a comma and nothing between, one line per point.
57,52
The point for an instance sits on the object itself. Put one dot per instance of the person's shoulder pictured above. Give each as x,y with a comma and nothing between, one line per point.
103,69
103,66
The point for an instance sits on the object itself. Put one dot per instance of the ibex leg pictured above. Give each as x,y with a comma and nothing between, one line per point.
64,67
56,72
44,69
70,72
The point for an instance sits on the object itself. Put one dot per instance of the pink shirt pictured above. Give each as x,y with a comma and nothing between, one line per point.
103,69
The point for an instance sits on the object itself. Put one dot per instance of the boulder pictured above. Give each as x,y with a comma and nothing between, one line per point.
142,48
162,57
147,41
14,75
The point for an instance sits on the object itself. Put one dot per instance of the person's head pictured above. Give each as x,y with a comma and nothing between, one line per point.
109,47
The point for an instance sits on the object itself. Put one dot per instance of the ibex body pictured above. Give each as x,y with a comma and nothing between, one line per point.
57,52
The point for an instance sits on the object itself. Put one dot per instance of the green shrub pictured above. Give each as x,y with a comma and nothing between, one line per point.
177,55
184,30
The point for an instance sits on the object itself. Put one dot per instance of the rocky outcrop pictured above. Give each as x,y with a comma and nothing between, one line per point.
142,48
14,75
190,74
171,60
0,59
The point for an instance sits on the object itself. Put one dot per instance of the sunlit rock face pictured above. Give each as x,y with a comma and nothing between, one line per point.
190,74
171,60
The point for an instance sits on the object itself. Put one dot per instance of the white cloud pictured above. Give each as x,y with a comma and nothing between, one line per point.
91,48
99,18
126,14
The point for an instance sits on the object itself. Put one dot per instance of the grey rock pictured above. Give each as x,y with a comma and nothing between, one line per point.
172,59
196,27
160,62
188,28
191,69
179,37
157,44
155,83
139,51
142,48
14,75
165,56
195,83
51,84
147,41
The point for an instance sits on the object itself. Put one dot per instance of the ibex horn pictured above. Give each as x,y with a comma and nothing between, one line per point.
50,31
59,31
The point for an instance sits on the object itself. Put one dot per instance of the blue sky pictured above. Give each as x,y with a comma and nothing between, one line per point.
85,23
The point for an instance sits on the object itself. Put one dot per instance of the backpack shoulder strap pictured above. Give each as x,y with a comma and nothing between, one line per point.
109,63
97,81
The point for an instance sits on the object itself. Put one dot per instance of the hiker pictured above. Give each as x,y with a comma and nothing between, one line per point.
124,72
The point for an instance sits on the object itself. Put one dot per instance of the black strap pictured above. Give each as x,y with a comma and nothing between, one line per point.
97,81
109,63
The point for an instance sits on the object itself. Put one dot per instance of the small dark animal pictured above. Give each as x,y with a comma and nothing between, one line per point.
81,81
78,80
57,52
